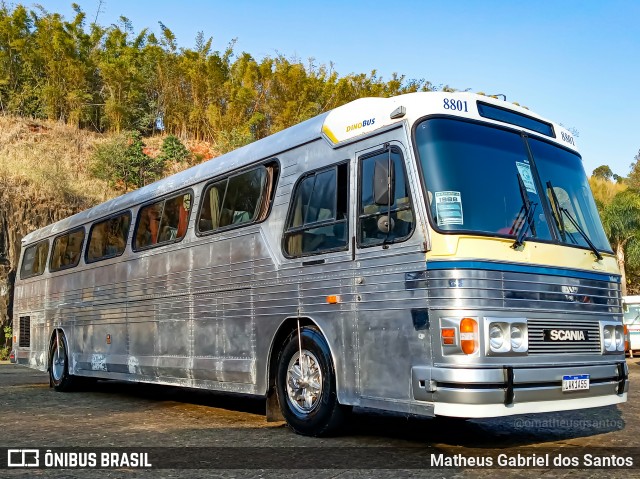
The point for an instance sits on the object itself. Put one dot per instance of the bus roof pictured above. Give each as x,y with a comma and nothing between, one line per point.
338,126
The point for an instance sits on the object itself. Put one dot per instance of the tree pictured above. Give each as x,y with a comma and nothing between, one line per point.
633,180
621,221
603,172
114,78
19,75
619,179
122,66
604,190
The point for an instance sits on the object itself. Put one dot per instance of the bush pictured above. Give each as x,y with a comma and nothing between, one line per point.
122,162
174,150
6,349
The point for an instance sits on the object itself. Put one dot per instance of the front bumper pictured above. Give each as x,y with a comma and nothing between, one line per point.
493,392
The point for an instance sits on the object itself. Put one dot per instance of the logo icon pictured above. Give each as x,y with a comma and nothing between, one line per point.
23,458
566,335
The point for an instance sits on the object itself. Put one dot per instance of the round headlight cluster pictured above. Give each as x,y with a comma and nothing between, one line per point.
508,337
613,338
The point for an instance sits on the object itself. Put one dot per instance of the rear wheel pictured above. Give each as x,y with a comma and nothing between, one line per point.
306,385
59,376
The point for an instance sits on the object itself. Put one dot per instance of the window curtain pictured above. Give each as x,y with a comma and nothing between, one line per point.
214,206
294,243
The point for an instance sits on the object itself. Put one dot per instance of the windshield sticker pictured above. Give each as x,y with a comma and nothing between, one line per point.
527,178
449,208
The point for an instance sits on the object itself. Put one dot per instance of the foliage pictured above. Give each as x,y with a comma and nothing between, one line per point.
6,349
116,79
122,162
621,221
604,191
621,180
174,150
633,180
603,172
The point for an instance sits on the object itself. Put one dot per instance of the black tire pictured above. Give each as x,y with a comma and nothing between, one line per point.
59,376
324,415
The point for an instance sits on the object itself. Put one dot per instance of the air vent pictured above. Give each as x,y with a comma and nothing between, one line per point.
25,332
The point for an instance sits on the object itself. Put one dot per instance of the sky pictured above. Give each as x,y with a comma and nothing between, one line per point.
576,62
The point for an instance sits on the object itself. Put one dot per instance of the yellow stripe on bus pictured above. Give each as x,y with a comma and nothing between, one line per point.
327,131
499,249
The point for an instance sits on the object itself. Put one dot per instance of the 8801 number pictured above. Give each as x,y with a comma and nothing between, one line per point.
568,138
455,105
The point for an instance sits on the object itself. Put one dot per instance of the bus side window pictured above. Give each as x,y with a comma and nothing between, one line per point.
236,200
163,222
34,260
108,238
66,250
374,227
317,220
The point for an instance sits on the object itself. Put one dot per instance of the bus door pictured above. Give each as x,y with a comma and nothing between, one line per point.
391,317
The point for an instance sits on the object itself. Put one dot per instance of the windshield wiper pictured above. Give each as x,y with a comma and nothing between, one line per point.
555,204
582,232
528,209
574,223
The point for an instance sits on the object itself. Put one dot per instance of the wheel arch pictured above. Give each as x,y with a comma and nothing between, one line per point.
287,326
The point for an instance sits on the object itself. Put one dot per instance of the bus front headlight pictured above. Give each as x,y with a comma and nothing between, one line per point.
519,340
496,338
607,338
619,338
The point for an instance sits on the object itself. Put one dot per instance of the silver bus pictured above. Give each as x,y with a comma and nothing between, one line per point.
429,254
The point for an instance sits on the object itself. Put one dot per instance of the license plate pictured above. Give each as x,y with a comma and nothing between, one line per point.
578,382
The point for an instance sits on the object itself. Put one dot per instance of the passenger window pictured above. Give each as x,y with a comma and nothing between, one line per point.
317,220
108,238
163,222
384,223
66,250
34,260
235,200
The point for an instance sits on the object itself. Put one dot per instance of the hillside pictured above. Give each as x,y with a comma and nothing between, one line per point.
46,175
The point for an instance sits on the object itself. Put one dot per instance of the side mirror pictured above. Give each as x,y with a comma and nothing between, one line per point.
383,182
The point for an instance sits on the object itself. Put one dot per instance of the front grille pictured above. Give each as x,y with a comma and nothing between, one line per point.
519,290
538,345
25,332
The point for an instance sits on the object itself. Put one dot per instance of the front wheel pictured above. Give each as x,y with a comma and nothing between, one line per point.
306,385
59,376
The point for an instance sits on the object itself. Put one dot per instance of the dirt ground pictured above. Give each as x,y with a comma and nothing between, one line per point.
117,414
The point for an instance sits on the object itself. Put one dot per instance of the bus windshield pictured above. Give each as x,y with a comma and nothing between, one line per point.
481,179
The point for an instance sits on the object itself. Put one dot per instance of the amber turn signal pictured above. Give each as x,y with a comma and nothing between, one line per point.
448,336
468,335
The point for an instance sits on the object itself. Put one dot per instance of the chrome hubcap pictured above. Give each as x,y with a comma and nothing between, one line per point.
57,368
304,381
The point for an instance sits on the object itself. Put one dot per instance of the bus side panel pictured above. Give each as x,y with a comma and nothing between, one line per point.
223,323
96,328
30,308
